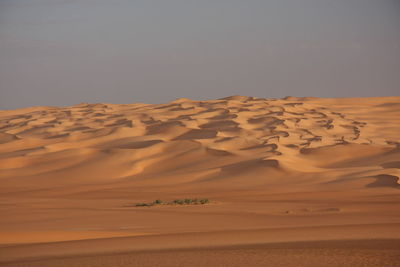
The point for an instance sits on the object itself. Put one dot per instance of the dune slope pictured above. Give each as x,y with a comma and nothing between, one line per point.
310,169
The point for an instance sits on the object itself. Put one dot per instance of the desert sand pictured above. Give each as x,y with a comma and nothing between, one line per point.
291,182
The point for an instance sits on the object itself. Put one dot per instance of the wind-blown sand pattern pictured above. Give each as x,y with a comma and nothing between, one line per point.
315,179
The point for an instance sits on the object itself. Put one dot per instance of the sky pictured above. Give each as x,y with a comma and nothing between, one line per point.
65,52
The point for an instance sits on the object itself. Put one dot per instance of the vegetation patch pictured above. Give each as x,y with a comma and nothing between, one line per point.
183,201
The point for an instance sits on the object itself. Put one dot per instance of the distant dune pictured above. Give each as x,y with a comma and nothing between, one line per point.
281,174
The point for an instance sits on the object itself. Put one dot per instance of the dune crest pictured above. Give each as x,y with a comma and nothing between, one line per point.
233,130
264,164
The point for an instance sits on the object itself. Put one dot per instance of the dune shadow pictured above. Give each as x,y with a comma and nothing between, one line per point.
385,180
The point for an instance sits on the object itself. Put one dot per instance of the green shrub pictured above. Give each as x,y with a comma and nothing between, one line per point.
179,201
204,201
143,205
185,201
158,202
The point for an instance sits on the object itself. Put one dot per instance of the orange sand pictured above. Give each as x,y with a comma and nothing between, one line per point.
284,176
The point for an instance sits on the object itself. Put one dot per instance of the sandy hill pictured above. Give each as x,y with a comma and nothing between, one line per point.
74,173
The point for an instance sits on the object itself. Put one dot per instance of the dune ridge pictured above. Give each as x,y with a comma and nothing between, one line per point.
71,173
240,128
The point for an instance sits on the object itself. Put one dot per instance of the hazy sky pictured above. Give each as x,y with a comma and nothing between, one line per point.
63,52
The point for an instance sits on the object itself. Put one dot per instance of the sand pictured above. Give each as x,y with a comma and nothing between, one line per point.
293,181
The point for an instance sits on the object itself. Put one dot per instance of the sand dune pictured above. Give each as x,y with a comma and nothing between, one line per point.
330,166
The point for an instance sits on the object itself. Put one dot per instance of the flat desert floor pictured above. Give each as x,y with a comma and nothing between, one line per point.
291,182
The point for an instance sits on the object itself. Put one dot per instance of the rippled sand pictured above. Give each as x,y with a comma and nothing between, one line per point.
283,175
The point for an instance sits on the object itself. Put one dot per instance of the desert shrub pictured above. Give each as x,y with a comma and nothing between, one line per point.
158,202
179,201
185,201
143,205
204,201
